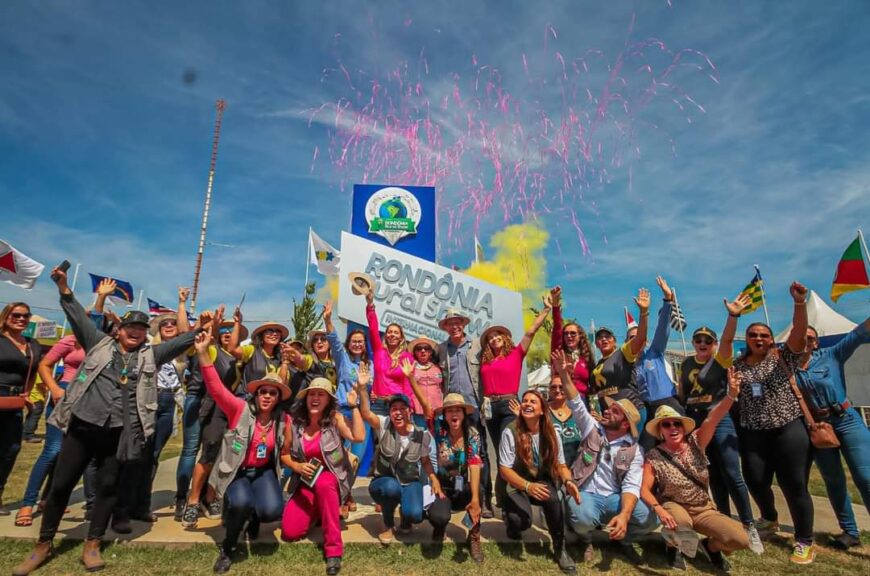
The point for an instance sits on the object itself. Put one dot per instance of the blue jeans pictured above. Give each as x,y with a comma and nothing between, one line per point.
254,491
725,478
163,421
187,459
595,511
45,462
855,446
386,491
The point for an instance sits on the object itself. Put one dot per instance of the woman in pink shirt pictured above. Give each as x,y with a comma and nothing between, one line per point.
573,341
68,350
387,356
428,377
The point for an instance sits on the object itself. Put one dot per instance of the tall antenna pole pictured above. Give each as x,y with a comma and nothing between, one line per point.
220,105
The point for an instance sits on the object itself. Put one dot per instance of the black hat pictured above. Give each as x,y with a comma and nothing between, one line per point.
134,317
705,331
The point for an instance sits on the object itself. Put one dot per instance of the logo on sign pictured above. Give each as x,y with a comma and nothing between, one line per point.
393,213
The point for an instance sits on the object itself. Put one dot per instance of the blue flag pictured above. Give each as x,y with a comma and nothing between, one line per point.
123,289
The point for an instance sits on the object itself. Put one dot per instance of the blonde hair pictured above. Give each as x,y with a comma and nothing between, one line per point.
7,310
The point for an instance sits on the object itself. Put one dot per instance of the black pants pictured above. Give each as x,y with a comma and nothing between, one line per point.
82,442
440,511
136,477
31,421
11,425
485,479
785,451
518,506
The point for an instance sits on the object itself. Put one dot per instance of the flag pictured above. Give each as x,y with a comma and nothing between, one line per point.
322,255
478,250
629,319
156,309
755,293
678,321
851,272
123,289
16,268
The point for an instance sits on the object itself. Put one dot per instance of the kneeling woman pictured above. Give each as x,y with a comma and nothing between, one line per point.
677,467
246,472
456,451
322,475
532,462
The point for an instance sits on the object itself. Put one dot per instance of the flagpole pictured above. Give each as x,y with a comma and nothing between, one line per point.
75,279
864,245
682,333
763,297
308,259
139,305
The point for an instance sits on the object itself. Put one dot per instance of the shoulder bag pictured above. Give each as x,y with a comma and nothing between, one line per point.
822,434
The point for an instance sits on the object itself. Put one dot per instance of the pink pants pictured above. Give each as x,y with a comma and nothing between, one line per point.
305,504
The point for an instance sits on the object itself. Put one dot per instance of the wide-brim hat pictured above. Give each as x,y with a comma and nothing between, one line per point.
361,283
665,412
454,399
154,324
453,313
629,409
283,330
484,338
314,333
243,334
270,379
319,383
421,340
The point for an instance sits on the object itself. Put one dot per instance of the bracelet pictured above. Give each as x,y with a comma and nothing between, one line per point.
353,407
732,398
526,489
734,315
804,303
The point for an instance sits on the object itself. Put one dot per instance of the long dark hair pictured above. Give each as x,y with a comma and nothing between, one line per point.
547,443
364,357
299,412
583,347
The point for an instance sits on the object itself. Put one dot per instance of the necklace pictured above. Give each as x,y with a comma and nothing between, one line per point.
125,360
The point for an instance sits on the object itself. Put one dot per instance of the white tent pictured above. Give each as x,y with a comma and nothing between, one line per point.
823,318
540,377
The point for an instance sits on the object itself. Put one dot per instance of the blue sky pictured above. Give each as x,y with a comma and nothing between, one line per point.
107,109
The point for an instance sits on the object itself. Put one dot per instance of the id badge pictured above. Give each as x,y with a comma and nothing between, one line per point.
237,447
756,389
458,483
261,451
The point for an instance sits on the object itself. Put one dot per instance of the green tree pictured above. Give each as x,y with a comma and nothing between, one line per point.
307,315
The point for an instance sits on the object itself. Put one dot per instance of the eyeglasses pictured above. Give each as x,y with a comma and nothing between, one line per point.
672,424
20,315
706,341
759,335
267,392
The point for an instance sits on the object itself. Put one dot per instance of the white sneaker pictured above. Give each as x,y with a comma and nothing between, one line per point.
755,543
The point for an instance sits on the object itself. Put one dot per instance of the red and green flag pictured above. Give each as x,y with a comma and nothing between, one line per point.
851,271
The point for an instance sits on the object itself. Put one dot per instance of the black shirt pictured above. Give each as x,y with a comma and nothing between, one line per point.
14,365
702,385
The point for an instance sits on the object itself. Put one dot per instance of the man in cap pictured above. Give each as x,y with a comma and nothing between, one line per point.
459,359
608,470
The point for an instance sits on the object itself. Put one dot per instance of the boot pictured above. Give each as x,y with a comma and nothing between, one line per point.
474,546
562,558
35,559
91,555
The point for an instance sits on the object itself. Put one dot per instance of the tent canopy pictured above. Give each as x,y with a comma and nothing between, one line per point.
823,318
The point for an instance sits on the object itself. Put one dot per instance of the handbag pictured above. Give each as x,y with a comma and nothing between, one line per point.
822,434
18,401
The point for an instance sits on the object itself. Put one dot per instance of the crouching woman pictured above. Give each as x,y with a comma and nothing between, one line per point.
322,474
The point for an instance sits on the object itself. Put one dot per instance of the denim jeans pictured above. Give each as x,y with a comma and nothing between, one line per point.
163,421
726,478
485,477
386,491
46,459
595,511
253,491
855,447
187,459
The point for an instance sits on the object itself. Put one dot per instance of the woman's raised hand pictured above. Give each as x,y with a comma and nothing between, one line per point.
202,341
798,292
407,367
363,376
327,312
738,304
642,300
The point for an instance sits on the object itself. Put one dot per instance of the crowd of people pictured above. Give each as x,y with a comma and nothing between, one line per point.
272,429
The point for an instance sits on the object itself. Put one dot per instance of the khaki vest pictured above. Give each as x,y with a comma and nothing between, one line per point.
332,446
587,458
95,361
390,461
229,461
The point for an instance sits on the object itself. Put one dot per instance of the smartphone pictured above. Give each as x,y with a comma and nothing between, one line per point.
64,266
466,521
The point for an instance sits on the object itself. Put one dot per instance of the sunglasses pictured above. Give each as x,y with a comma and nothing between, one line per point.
267,392
672,424
760,335
271,331
319,339
706,341
423,349
556,387
168,323
605,336
20,315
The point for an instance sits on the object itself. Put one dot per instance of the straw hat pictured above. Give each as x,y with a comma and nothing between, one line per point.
314,333
421,340
484,338
628,408
667,413
319,383
243,334
279,327
361,283
451,314
454,399
270,379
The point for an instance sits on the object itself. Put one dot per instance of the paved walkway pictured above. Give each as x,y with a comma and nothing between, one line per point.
362,527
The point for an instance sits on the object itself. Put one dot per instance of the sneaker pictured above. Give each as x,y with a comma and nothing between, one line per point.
803,553
767,528
675,559
180,506
386,536
844,541
223,563
213,510
190,516
630,554
755,543
717,559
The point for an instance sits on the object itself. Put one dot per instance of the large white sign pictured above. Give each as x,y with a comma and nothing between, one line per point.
416,293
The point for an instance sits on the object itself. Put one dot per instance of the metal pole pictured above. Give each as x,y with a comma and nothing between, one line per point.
682,333
75,279
763,297
139,305
308,259
214,149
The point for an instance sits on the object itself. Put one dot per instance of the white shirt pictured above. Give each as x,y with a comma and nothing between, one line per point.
507,451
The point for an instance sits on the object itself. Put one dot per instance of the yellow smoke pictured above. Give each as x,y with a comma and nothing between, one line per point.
519,264
328,291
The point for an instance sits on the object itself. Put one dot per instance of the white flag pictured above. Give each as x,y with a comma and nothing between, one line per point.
16,268
322,255
478,250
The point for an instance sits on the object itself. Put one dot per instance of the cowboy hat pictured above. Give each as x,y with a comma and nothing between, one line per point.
319,383
270,379
484,338
451,314
229,324
454,399
667,413
628,408
279,327
421,340
361,283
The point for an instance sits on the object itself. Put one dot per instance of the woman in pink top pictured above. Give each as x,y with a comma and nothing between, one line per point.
387,356
573,341
427,376
68,350
501,365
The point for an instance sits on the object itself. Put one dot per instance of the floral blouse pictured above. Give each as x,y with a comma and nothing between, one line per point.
454,461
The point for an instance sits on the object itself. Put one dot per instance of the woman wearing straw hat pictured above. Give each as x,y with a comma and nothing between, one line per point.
677,468
263,355
322,474
457,463
427,376
247,469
